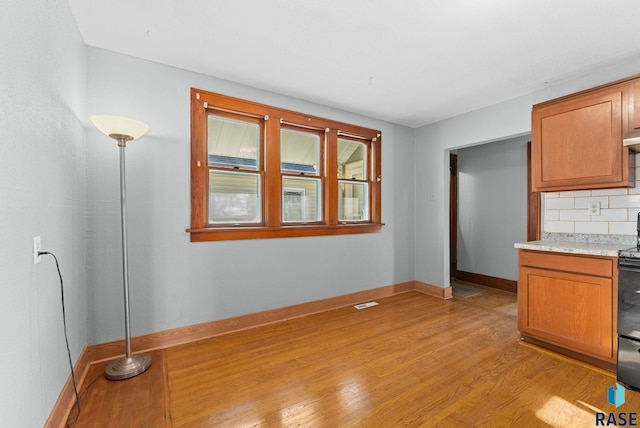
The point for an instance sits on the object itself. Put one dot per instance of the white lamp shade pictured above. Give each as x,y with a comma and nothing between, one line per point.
119,125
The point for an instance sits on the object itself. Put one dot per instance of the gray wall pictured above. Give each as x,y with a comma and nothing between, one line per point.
492,207
42,94
175,282
511,118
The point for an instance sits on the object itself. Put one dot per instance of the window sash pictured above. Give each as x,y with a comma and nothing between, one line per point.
353,159
235,198
353,202
307,206
223,130
295,160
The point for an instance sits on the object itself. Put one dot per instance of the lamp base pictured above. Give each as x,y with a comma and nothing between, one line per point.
124,368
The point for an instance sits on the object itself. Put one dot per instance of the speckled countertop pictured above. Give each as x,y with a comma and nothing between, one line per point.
593,249
596,245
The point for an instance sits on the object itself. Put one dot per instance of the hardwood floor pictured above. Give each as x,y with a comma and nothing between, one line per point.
411,361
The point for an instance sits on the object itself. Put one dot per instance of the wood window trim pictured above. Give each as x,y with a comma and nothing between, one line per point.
275,118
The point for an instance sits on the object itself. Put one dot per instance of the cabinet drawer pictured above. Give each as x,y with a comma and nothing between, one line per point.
588,265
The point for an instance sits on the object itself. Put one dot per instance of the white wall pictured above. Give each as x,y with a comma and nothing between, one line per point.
567,212
175,282
508,119
42,81
492,207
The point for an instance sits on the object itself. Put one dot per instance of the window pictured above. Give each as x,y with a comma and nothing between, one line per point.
233,151
263,172
301,176
353,189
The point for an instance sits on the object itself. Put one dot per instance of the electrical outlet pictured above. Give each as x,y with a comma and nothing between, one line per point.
594,207
37,247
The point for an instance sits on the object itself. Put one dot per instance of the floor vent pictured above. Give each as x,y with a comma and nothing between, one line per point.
366,305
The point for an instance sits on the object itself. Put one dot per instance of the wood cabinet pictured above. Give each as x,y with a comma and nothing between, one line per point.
569,301
576,141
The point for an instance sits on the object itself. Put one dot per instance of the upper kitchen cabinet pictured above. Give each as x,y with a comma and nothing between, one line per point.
576,140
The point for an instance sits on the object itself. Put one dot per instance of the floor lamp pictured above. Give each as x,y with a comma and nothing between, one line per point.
123,130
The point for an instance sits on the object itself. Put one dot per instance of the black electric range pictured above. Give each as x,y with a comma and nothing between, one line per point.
628,368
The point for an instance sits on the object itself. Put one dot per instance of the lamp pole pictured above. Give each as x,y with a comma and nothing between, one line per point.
123,130
122,144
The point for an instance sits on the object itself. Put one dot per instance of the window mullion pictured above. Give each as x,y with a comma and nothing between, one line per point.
375,176
331,177
273,182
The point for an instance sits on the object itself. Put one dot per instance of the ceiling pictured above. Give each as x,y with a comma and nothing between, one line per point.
411,62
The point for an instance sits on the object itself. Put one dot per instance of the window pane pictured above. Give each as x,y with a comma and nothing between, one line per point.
353,203
301,200
299,152
234,197
233,142
352,160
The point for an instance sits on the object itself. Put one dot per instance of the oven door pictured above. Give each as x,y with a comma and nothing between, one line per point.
629,297
628,372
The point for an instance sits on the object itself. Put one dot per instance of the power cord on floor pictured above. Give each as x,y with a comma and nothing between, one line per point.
86,389
66,338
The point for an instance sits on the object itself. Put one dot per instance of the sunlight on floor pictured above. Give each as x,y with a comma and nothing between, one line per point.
354,394
238,412
559,413
299,414
594,408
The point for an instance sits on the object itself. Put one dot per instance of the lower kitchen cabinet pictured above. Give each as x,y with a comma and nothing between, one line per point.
569,302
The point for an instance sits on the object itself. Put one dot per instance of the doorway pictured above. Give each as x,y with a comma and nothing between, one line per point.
491,207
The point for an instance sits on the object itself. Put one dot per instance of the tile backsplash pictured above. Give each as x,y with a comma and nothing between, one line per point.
577,211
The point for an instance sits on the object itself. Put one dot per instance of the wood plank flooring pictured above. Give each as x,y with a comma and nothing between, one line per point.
411,361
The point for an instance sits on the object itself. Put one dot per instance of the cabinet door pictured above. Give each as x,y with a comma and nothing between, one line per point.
577,143
634,108
570,310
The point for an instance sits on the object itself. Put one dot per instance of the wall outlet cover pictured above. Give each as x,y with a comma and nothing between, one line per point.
594,207
37,247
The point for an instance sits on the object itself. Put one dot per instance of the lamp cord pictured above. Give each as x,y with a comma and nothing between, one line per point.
66,338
